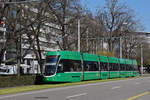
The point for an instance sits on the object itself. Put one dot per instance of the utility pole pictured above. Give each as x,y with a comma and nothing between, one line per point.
93,47
78,35
96,46
124,23
102,44
87,39
141,59
120,47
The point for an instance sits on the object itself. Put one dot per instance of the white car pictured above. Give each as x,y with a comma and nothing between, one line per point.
8,69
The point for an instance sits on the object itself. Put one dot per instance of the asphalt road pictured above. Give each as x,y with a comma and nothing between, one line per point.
130,89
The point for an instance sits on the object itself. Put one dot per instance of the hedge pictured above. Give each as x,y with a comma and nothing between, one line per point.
13,81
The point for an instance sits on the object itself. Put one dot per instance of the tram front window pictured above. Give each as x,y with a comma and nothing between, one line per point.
50,69
50,66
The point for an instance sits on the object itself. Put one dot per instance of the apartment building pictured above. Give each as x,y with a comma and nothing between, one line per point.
29,62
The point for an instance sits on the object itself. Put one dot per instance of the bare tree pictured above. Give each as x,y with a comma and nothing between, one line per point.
118,20
24,22
113,16
14,34
2,43
34,21
65,13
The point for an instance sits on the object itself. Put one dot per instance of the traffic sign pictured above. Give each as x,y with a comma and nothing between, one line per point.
2,29
2,22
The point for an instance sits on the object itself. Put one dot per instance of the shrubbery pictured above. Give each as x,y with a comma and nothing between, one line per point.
14,80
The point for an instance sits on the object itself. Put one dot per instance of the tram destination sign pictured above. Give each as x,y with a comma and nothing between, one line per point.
2,29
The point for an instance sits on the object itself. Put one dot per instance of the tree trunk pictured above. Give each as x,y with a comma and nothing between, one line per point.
39,53
18,58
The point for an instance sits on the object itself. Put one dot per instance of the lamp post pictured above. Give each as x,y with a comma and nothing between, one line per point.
120,47
141,59
78,35
125,23
87,44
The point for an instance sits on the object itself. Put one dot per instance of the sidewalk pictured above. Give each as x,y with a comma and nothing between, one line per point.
146,75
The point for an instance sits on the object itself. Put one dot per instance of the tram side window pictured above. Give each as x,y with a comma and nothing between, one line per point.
122,67
135,67
113,67
110,66
131,67
67,65
104,66
128,67
116,67
91,66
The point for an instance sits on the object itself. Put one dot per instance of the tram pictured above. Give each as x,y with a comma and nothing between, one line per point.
69,66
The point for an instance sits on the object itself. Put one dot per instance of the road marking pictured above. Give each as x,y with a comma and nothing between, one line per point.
41,97
77,95
68,87
115,87
137,83
142,94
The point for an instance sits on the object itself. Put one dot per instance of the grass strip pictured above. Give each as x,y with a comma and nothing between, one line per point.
47,86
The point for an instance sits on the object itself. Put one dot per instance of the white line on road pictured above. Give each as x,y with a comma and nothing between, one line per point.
116,87
77,95
137,83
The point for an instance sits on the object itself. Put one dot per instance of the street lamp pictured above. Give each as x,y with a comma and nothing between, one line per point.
141,59
120,47
125,23
78,35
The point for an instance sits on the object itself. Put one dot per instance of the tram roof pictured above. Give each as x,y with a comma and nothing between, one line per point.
134,62
122,61
103,59
90,57
113,60
66,54
128,61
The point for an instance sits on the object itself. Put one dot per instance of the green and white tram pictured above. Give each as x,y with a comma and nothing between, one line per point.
69,66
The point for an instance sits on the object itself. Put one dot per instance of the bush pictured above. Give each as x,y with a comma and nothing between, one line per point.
13,80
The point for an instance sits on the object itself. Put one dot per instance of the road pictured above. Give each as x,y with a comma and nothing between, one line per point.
130,89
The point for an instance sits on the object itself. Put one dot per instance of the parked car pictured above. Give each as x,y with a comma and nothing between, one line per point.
8,69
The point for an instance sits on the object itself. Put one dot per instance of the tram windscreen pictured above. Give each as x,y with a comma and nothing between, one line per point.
50,66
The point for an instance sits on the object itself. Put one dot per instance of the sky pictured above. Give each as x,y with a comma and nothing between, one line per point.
140,7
